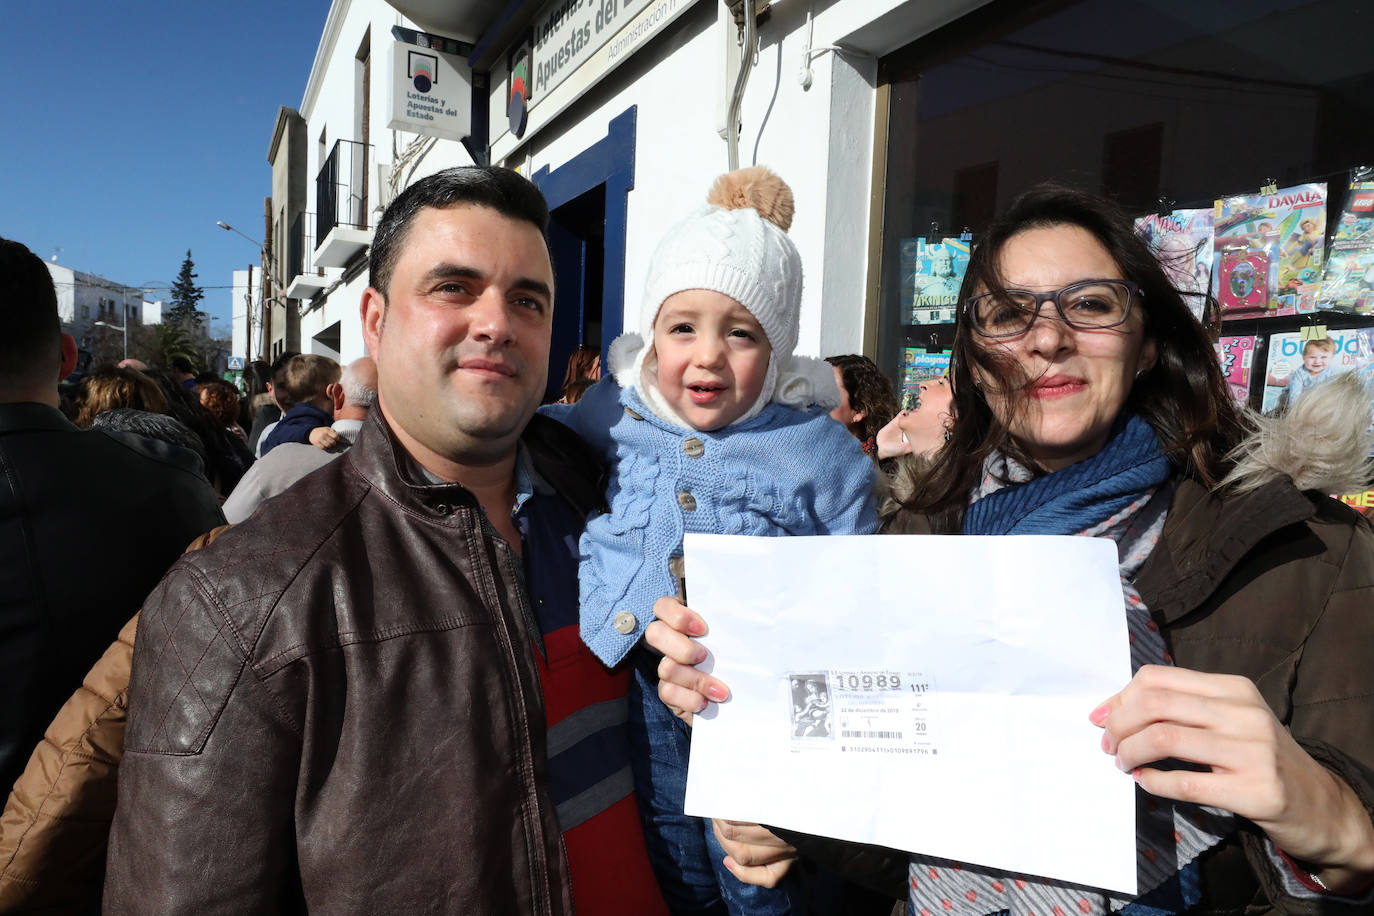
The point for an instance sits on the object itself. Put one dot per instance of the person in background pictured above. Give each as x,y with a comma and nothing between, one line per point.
63,486
264,421
867,401
309,381
222,400
1090,402
925,428
184,372
257,394
584,370
290,461
109,387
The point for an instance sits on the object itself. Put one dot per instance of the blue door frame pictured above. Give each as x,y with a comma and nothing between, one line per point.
609,162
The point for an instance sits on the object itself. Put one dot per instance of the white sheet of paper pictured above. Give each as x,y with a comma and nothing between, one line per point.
947,711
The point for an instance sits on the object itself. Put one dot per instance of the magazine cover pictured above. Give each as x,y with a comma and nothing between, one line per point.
1268,251
1296,365
1237,354
1348,279
931,274
1183,242
918,364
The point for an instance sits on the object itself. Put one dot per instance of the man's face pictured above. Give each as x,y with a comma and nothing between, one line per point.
461,339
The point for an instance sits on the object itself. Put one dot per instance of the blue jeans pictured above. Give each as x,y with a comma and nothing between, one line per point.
683,850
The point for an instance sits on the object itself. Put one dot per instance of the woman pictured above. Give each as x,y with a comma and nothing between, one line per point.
924,429
1089,402
867,400
109,388
584,369
221,399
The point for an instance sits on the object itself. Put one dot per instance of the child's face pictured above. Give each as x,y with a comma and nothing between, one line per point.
712,357
1315,359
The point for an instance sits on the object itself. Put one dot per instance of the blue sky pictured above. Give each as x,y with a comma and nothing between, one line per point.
129,128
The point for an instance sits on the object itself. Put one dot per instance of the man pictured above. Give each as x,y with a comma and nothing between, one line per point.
372,698
265,420
184,372
307,380
70,573
351,397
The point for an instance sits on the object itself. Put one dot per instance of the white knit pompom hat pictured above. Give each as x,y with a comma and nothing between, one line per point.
736,245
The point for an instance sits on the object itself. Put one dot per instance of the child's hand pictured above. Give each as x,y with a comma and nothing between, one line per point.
323,437
681,687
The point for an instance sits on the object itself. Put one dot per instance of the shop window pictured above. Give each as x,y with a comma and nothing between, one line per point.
1160,104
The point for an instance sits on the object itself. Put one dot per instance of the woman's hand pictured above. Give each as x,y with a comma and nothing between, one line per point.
891,440
754,855
681,687
1256,769
323,437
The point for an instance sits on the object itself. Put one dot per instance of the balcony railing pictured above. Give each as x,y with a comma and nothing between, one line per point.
300,246
341,189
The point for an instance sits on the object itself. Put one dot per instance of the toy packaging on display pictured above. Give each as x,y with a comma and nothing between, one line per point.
1269,251
1237,355
1296,365
931,275
1183,242
918,364
1348,280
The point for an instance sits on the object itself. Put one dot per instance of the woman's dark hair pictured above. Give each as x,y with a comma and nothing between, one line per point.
580,368
255,379
1183,397
870,392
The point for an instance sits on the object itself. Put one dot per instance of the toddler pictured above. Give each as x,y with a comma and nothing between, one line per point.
709,423
1315,369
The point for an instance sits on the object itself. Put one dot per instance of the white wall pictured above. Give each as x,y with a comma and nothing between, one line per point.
330,105
820,140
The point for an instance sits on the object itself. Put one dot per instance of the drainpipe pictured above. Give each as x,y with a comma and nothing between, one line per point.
746,63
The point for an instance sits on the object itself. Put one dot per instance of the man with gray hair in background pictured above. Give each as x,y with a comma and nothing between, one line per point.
353,394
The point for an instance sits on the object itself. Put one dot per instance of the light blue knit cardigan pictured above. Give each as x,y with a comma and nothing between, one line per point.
782,472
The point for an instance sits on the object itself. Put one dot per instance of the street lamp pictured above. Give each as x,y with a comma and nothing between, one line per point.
228,228
264,260
115,327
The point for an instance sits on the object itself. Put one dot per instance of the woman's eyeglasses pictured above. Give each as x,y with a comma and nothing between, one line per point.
1089,305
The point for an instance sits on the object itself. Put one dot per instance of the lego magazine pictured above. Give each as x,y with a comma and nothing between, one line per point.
1182,240
1348,280
1269,251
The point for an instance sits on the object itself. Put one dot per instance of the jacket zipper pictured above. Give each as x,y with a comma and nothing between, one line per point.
502,578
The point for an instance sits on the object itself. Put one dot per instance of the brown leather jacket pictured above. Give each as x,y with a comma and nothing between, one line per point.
336,707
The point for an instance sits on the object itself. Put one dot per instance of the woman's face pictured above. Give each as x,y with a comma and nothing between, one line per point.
1077,381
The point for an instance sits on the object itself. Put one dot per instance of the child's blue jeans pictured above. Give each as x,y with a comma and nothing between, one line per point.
683,850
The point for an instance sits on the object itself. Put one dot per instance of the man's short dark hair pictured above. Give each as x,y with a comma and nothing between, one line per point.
182,364
507,192
31,345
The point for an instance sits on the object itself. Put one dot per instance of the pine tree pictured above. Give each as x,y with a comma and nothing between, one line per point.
186,296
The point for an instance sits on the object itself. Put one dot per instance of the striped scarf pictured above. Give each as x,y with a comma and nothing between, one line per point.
1122,493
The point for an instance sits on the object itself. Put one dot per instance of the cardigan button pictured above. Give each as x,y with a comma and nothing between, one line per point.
624,623
687,501
693,447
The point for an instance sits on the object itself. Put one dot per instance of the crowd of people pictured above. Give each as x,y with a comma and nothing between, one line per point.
397,637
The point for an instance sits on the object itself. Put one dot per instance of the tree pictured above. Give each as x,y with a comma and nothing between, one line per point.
186,296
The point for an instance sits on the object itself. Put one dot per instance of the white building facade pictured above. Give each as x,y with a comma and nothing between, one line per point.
897,123
84,299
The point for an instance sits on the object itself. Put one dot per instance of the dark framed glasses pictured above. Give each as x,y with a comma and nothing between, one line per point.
1089,305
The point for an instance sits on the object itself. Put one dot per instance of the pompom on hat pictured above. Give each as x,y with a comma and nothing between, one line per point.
737,245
